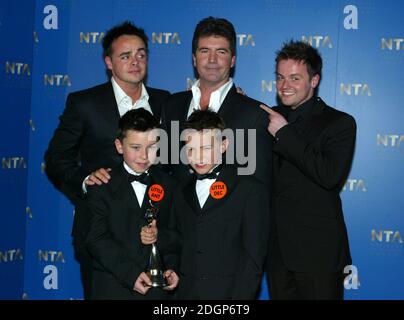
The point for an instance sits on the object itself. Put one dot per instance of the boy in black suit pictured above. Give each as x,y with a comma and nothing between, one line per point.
220,219
118,214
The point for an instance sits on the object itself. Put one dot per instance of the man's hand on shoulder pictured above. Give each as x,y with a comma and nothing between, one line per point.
98,177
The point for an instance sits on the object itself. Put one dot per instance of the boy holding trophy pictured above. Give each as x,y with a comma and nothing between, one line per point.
136,194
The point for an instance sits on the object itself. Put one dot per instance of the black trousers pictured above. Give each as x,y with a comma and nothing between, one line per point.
285,284
289,285
84,259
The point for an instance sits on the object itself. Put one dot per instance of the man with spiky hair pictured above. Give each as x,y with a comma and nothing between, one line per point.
82,151
313,151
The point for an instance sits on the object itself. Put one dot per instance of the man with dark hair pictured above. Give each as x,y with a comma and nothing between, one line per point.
215,27
126,28
301,51
214,57
81,151
313,151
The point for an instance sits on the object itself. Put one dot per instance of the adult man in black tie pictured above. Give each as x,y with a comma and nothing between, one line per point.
82,149
312,157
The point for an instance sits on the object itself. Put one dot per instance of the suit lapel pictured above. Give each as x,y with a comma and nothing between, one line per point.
154,104
228,177
226,110
312,123
184,108
155,178
276,159
108,101
190,195
146,198
125,193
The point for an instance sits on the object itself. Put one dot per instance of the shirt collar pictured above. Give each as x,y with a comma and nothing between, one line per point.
302,110
131,171
216,98
120,95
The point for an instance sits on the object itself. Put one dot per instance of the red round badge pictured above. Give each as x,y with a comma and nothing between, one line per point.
218,190
156,192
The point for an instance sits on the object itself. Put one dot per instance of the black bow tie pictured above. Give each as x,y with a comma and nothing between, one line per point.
142,178
210,175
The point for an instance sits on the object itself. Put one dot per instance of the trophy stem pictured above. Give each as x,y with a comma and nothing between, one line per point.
155,269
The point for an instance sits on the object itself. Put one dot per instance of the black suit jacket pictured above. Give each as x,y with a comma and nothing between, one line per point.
113,238
224,244
238,112
312,159
84,142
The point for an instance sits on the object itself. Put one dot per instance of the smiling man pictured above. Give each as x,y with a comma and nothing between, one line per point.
312,157
214,58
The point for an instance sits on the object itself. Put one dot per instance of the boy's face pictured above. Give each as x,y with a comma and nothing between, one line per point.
139,149
204,149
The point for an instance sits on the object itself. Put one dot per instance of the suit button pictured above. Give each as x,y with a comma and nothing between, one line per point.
199,252
203,277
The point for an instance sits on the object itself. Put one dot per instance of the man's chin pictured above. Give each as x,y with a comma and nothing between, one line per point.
135,79
286,101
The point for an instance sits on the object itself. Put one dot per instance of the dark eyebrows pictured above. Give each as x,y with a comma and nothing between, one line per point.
124,53
218,49
291,75
129,52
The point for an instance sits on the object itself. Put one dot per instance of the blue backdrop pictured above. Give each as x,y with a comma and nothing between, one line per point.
51,48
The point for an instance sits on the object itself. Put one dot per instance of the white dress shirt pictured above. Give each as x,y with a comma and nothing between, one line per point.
125,102
202,188
216,98
139,188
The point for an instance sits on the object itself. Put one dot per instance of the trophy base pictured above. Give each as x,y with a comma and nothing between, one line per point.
157,280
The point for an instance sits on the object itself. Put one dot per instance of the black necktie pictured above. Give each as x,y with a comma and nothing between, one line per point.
142,178
210,175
